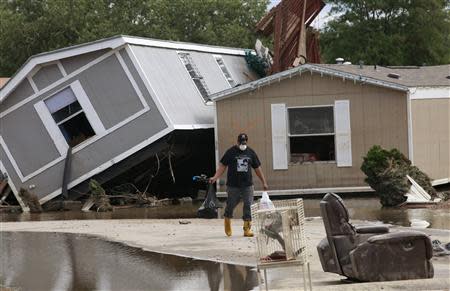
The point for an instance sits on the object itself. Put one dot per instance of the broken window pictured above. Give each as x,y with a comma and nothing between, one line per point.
226,73
311,134
69,117
195,75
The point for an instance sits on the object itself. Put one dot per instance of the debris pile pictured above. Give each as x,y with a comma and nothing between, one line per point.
387,172
99,197
30,200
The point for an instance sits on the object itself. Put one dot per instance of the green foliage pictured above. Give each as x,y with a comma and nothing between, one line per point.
31,27
388,32
386,173
257,64
98,194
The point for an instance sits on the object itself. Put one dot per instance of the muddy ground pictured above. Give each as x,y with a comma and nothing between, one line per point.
204,239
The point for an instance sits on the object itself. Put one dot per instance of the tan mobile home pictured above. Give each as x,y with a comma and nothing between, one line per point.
312,125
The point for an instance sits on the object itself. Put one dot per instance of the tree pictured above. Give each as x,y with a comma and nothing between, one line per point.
31,27
388,32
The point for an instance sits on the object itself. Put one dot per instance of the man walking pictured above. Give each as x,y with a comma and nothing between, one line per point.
239,159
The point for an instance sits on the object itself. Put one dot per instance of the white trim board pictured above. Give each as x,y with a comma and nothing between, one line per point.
11,158
32,84
289,192
82,145
85,144
55,84
92,116
51,127
131,79
192,126
56,55
109,163
410,128
183,46
61,68
148,85
430,93
14,188
88,109
440,181
216,141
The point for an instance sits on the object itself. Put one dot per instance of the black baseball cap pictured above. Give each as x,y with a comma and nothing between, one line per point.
242,138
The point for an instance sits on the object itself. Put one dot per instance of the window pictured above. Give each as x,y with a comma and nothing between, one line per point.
69,117
195,75
226,73
311,134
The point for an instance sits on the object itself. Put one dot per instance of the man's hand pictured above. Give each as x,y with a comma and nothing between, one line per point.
218,173
260,175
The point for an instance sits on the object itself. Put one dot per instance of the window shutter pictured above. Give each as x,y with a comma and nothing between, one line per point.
279,137
343,133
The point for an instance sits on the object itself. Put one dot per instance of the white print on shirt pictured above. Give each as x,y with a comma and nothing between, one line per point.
242,164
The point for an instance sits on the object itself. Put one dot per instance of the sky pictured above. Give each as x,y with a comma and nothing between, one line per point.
320,20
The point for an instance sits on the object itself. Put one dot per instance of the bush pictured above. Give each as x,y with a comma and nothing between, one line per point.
258,64
386,173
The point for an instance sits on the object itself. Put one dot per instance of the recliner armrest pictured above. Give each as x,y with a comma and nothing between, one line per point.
372,229
403,237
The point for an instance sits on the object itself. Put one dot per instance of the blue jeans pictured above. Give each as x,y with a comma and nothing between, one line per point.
235,194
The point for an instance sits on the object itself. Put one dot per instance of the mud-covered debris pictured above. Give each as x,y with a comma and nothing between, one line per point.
30,200
98,194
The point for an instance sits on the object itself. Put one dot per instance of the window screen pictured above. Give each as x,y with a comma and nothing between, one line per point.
195,75
225,71
311,120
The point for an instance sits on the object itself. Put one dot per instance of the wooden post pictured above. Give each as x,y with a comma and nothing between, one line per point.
301,51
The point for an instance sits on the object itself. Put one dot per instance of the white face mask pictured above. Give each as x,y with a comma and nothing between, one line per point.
242,147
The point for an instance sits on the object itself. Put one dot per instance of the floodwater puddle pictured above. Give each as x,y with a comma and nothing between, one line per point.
60,261
361,208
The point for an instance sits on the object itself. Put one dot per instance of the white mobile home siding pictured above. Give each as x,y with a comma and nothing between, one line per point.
119,107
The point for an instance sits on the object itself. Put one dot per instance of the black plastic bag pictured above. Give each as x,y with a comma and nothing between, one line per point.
208,209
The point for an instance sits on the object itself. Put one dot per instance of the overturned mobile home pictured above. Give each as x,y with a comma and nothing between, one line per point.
115,103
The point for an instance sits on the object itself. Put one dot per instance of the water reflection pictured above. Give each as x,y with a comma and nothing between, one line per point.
53,261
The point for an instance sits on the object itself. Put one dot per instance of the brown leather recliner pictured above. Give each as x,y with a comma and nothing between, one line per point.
370,253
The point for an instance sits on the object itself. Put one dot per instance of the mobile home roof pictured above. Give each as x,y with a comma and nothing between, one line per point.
107,43
408,77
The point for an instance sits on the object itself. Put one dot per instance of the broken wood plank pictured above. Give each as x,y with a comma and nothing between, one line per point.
5,195
88,205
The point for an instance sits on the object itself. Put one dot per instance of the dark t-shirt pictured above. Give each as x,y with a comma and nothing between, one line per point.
239,162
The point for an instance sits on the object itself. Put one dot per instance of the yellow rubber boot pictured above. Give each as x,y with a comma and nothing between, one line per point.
248,229
227,224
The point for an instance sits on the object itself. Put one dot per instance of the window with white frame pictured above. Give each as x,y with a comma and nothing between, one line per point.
196,77
311,134
69,117
226,73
